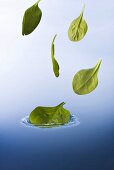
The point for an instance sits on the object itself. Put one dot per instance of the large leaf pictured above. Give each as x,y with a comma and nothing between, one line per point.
31,19
78,28
54,61
85,81
49,115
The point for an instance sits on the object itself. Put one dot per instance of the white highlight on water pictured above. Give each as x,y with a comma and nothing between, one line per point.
74,121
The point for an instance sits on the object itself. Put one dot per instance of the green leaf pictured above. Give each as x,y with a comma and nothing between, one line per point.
54,61
50,116
31,19
78,28
85,81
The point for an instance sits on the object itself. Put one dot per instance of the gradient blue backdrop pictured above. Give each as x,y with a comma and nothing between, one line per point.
27,80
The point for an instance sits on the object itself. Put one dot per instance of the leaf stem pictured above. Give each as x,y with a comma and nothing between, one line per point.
83,8
38,1
54,38
62,104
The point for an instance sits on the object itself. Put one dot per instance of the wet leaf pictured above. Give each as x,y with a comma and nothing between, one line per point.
31,19
78,28
85,81
49,115
54,61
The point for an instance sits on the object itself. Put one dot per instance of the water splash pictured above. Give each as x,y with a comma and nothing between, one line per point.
74,121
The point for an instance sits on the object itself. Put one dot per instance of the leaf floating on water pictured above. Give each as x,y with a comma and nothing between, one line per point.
54,61
31,19
85,81
78,28
49,115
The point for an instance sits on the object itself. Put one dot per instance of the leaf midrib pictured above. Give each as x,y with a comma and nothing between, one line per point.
97,68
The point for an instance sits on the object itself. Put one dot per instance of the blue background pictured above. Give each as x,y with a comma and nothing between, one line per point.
27,80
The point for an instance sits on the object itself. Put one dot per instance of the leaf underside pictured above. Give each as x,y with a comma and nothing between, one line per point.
85,81
77,29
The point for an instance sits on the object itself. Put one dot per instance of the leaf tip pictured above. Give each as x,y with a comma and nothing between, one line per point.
99,62
63,103
57,75
23,34
54,37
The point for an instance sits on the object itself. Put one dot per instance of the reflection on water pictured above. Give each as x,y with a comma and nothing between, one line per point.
74,121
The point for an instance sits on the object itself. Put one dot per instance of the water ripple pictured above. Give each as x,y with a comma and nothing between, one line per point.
74,121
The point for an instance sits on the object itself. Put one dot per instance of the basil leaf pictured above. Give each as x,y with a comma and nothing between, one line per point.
54,62
31,19
85,81
42,116
78,28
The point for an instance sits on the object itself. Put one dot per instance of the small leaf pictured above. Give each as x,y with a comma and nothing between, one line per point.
78,28
54,62
42,116
31,19
85,81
